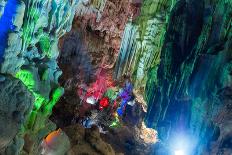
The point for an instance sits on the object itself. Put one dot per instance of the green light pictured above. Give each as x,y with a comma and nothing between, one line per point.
42,106
45,75
57,93
45,45
27,78
39,101
34,14
115,123
27,37
111,94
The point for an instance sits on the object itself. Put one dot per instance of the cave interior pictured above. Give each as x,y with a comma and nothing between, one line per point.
115,77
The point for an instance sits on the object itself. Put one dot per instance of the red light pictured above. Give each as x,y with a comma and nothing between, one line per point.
104,102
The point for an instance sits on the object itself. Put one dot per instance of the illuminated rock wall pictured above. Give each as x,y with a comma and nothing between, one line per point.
181,62
195,70
29,32
142,41
178,54
98,28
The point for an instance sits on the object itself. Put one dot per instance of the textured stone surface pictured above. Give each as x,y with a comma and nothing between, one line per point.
15,105
87,141
177,53
141,44
195,67
29,32
99,25
127,140
181,69
111,22
92,45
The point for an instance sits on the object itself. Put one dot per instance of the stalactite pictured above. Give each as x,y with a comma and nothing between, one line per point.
29,32
147,42
127,50
91,7
190,72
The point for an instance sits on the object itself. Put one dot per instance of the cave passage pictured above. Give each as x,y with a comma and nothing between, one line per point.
115,77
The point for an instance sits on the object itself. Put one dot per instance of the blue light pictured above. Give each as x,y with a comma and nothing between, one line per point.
179,152
6,24
182,144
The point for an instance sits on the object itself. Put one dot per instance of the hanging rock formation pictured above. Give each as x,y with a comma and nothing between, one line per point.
181,69
29,32
176,53
92,46
195,68
141,43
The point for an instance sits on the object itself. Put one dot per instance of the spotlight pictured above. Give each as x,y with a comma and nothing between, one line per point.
182,144
179,152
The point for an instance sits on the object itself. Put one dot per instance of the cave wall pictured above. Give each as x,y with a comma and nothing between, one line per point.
195,68
178,54
29,32
16,103
92,46
142,41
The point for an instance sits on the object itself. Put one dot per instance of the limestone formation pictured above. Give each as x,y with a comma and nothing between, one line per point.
87,141
29,31
176,54
15,105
